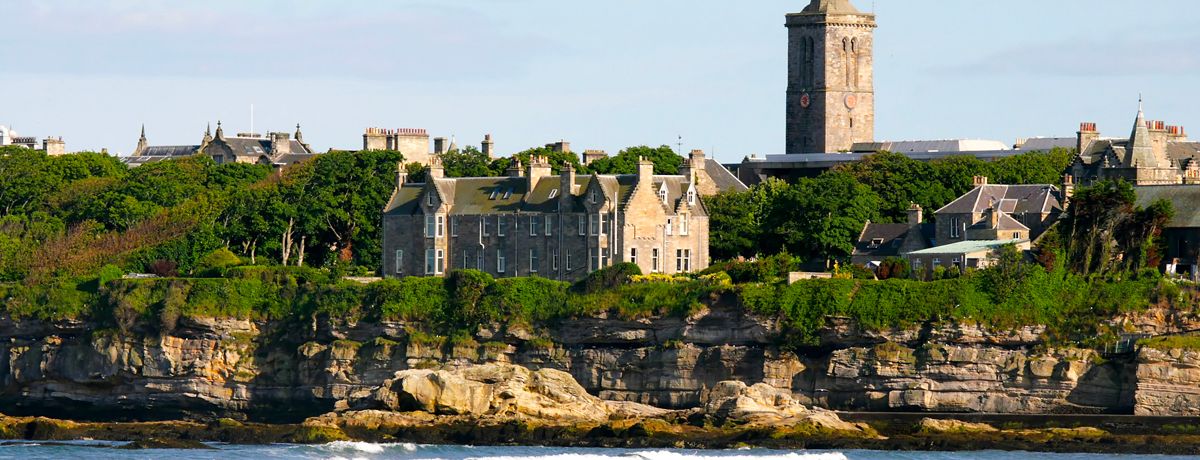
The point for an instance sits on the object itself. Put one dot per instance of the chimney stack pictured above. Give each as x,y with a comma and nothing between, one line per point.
1086,135
566,187
645,171
539,167
915,215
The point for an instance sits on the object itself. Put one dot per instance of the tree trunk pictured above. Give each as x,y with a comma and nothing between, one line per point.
300,256
253,249
286,242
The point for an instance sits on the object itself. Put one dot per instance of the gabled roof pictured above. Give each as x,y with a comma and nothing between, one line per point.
890,238
722,177
1036,198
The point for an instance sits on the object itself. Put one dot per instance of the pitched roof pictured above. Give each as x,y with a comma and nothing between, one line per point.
722,177
830,7
1182,197
881,240
1036,198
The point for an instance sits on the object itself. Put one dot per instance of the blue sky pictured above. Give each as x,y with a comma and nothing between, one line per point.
605,74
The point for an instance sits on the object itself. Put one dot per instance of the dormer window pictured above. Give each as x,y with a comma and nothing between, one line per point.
553,193
875,243
495,191
508,193
662,195
592,196
691,197
429,199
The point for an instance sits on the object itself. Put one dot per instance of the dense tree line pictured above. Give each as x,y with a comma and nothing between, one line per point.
819,218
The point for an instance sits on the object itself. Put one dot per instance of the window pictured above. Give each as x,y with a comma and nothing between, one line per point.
495,191
916,265
955,223
533,260
430,261
463,264
441,261
604,253
875,243
593,224
654,260
441,226
683,260
554,260
553,193
581,226
595,265
633,255
429,199
937,262
670,225
454,226
430,226
479,260
683,224
486,225
568,260
662,195
1016,235
957,263
533,225
508,193
550,224
691,197
399,261
592,196
501,262
501,226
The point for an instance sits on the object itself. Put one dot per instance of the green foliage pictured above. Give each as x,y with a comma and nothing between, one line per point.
1105,232
763,269
608,278
217,260
666,161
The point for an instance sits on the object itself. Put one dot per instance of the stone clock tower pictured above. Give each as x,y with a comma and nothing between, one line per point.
831,84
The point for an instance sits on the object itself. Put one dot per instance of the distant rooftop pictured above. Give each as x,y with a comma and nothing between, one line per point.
966,247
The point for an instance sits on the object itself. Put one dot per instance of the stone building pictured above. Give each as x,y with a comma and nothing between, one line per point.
276,149
880,241
831,87
534,223
1154,154
51,145
999,212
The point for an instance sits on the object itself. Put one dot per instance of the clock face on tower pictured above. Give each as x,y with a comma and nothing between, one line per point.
851,101
805,100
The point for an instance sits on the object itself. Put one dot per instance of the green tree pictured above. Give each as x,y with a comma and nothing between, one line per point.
665,160
468,162
821,217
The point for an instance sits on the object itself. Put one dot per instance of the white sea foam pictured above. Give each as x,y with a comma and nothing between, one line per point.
668,455
355,446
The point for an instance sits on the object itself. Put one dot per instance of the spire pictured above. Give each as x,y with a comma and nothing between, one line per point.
142,144
299,135
220,132
830,7
207,134
1140,152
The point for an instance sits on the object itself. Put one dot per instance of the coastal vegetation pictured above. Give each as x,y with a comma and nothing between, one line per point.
236,240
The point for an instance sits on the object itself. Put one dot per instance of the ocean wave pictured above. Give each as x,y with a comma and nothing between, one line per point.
668,455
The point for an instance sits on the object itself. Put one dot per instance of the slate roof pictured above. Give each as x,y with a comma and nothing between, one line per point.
1036,198
830,7
890,238
1183,197
722,177
498,195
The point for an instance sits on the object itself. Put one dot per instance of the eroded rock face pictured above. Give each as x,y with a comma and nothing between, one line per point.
285,372
1168,382
490,390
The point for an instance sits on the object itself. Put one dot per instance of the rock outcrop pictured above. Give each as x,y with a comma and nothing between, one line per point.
263,370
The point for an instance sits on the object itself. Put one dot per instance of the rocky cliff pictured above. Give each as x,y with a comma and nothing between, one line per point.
284,371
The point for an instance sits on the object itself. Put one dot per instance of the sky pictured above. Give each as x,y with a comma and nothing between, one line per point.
600,74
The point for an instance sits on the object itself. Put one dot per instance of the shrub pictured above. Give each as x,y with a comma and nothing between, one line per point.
214,262
609,277
163,268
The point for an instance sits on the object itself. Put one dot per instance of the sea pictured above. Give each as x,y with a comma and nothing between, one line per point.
370,451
